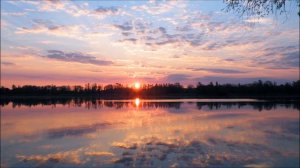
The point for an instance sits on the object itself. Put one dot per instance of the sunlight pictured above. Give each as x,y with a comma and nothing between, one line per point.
137,102
137,85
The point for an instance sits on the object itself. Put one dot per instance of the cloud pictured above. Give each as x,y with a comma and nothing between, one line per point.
291,59
70,157
145,34
48,42
52,29
280,57
7,63
76,57
13,13
98,153
212,46
75,131
155,8
191,36
51,5
132,40
274,50
76,9
126,33
259,20
229,59
177,78
192,30
107,10
79,32
236,80
136,26
162,30
219,70
100,12
124,27
231,41
123,145
4,23
23,77
195,29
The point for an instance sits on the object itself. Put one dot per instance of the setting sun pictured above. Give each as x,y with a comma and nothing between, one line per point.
137,85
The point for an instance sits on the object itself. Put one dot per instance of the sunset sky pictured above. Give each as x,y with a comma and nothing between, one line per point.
76,42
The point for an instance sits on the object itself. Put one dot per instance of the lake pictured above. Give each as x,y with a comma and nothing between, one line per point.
150,133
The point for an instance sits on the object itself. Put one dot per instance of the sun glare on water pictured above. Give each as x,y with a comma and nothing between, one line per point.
137,102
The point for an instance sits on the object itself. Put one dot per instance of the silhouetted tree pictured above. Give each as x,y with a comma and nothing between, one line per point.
258,8
257,89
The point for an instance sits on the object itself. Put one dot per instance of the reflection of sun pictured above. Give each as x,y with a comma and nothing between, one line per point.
137,85
137,102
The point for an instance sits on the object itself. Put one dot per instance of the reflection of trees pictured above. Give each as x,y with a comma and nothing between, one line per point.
175,105
258,8
90,103
34,102
255,105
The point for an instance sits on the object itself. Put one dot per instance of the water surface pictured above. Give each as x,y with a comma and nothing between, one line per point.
150,133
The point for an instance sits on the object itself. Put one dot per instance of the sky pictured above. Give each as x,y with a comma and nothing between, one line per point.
78,42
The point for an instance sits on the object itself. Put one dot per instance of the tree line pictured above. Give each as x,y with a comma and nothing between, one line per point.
168,90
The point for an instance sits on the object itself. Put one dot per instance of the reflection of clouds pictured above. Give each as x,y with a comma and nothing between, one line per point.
223,116
49,146
154,151
152,137
76,131
71,157
98,153
277,129
291,127
124,146
27,138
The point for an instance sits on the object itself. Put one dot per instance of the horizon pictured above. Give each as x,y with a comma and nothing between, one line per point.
79,42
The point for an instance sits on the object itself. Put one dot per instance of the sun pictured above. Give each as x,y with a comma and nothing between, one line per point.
137,85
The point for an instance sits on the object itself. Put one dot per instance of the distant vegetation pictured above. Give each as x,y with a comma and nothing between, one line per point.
258,89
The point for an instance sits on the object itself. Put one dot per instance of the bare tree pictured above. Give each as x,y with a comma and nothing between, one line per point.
259,8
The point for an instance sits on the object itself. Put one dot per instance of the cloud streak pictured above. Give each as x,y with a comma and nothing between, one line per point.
280,57
76,131
107,10
7,63
76,57
47,27
219,70
177,77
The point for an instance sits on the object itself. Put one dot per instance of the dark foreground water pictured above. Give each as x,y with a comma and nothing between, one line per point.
156,133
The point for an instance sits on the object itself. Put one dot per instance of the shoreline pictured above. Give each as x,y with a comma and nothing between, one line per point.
92,97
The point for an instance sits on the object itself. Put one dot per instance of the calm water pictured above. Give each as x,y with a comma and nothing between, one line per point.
156,133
